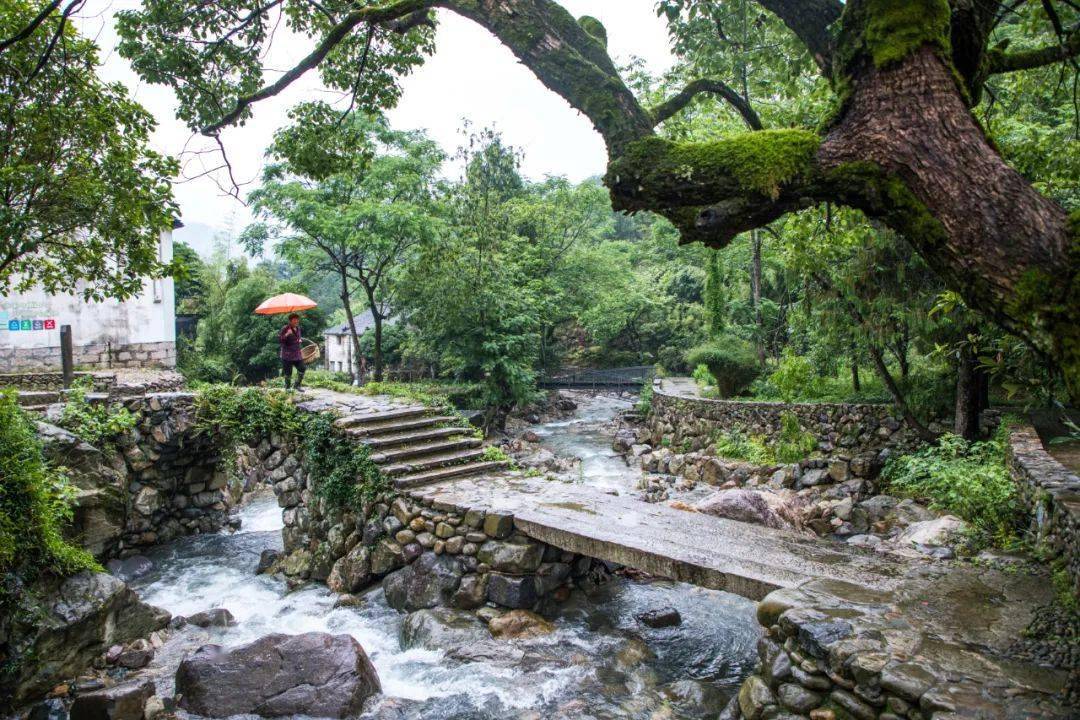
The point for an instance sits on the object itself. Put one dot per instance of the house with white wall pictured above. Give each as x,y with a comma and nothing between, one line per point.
137,332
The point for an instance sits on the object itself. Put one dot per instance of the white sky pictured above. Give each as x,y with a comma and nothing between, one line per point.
470,76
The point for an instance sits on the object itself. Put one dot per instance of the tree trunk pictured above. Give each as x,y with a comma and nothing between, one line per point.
856,385
755,291
898,397
346,301
378,345
966,423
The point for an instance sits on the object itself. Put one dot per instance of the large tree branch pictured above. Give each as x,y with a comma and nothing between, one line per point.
676,103
28,29
1006,62
369,14
810,21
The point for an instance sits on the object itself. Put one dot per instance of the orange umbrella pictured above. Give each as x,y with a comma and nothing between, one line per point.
285,303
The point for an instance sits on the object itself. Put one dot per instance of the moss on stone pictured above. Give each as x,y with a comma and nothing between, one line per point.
760,162
594,28
887,31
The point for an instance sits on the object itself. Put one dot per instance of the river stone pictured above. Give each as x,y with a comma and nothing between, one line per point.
313,674
797,698
510,557
754,698
121,702
512,592
816,637
743,505
214,617
498,525
471,593
441,628
933,533
429,582
520,624
50,709
130,568
695,698
386,557
137,655
351,572
84,615
660,618
267,559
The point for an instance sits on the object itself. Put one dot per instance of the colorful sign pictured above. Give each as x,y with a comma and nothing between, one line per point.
31,325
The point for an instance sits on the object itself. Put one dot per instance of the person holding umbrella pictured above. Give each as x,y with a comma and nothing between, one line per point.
289,337
291,357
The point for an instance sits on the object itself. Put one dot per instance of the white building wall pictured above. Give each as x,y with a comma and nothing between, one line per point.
137,332
339,353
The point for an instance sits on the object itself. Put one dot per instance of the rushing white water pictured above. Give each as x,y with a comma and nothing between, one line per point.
600,662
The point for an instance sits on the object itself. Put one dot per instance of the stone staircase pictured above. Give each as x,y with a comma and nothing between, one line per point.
414,446
39,400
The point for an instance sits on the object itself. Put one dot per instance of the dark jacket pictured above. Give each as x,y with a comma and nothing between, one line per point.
289,339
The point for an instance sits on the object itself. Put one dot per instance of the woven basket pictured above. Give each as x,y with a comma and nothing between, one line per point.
310,352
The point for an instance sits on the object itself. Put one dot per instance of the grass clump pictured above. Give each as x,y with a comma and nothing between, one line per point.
99,424
737,444
969,480
793,443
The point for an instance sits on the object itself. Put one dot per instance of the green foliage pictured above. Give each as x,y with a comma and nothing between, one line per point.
644,403
75,162
343,470
795,377
702,376
970,480
99,424
736,444
731,361
35,503
494,453
793,443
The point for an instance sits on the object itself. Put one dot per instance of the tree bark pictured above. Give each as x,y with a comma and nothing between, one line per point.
856,384
898,397
966,422
377,317
346,301
755,293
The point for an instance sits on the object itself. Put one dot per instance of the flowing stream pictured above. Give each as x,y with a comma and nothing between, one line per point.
599,663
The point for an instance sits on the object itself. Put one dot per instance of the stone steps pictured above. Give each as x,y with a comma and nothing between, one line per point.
398,427
418,479
433,462
414,436
368,419
422,449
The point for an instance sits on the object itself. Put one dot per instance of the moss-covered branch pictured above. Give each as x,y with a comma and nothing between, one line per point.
1002,61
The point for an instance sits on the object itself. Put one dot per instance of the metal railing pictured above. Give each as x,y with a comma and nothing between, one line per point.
608,378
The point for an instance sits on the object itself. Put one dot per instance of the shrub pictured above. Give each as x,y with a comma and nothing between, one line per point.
736,444
99,424
795,378
702,376
732,362
644,403
970,480
793,443
35,502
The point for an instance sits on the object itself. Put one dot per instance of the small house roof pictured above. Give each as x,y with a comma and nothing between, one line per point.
364,322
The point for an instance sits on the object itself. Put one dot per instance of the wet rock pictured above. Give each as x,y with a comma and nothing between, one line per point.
853,705
85,614
797,698
694,698
386,557
932,533
754,698
908,511
154,708
530,436
743,505
267,560
429,582
214,617
487,651
130,568
661,618
512,592
624,440
442,628
351,572
137,655
471,593
510,557
498,525
51,709
816,637
121,702
313,674
520,624
813,477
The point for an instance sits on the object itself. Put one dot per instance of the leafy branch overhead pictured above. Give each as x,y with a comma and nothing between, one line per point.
902,144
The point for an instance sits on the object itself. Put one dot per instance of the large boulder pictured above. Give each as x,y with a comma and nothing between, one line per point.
100,481
932,533
121,702
313,674
351,572
83,616
429,582
743,505
441,629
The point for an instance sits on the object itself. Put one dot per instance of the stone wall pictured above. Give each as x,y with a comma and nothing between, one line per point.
1051,493
128,384
47,380
425,556
164,480
94,355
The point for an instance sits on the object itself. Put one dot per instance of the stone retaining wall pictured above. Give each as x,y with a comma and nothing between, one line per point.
95,355
425,556
842,430
53,380
1052,494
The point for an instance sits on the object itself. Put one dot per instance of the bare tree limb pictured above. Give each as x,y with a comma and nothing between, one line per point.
369,14
31,26
810,21
676,103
